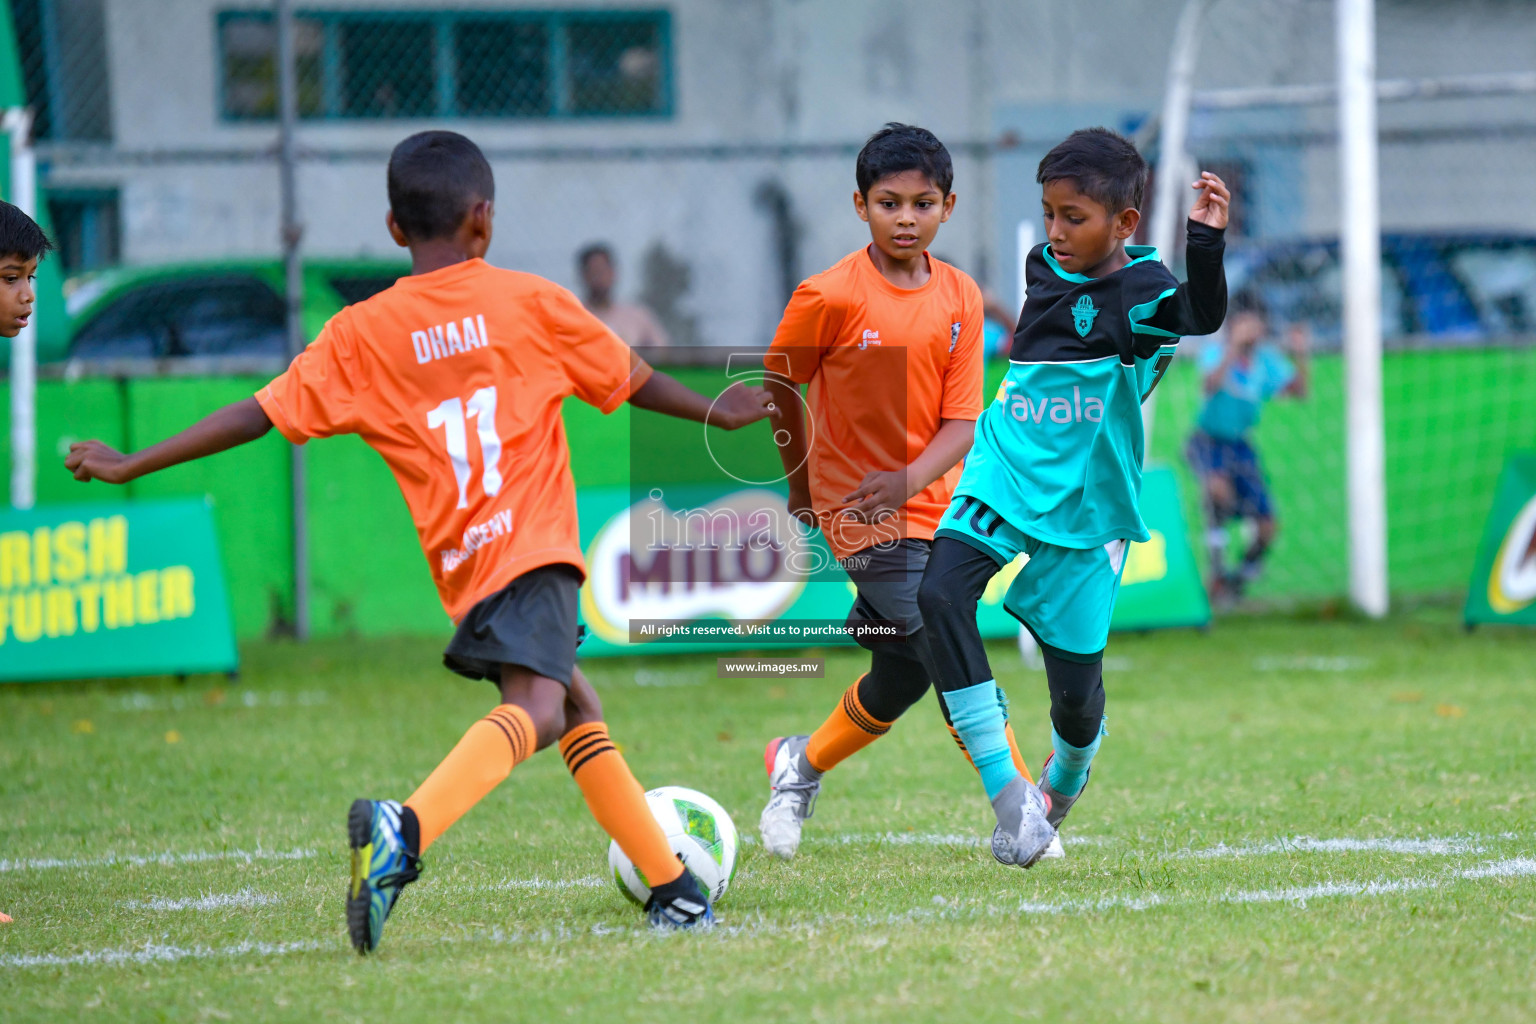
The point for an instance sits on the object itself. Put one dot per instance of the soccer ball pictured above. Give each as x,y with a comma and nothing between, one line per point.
701,833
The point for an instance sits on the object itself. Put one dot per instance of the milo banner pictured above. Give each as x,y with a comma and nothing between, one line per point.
1504,577
744,575
112,590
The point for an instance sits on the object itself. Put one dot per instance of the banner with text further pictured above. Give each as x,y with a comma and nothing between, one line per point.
116,589
1504,575
770,586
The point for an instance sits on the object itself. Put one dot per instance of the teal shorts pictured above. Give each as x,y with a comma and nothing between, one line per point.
1064,596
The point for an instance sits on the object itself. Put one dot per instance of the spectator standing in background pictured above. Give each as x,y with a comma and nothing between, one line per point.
1240,375
998,327
631,321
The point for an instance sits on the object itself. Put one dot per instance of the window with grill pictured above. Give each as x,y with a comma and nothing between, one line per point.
360,64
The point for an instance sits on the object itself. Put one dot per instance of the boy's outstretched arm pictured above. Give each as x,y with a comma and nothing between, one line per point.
1199,305
232,425
737,406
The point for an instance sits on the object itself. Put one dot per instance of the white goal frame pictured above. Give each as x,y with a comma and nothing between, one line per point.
1356,91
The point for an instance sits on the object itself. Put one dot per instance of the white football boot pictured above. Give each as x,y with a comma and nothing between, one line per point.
793,788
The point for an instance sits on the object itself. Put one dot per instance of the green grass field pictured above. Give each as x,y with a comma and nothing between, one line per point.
1289,821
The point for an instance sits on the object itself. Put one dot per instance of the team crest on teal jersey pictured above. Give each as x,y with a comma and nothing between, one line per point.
1083,313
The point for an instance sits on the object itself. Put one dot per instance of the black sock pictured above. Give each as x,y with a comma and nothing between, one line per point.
410,831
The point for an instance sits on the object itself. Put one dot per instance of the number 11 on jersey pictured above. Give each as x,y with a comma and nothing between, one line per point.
450,415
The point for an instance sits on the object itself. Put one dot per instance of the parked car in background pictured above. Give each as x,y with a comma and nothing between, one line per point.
1436,289
223,308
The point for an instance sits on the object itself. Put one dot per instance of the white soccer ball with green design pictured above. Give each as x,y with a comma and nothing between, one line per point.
701,833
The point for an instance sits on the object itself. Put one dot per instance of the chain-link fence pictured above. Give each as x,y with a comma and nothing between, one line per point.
683,165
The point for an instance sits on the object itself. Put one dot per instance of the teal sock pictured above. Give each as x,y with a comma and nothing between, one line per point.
1069,764
977,716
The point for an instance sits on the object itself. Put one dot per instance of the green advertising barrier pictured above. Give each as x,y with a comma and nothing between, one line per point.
370,578
1504,576
737,557
112,589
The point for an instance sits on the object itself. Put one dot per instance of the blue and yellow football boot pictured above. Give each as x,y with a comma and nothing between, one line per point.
681,903
382,865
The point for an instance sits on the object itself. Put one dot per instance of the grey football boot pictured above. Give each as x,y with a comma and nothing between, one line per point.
793,785
1023,833
1058,803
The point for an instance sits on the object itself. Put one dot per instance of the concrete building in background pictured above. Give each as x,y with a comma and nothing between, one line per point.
712,141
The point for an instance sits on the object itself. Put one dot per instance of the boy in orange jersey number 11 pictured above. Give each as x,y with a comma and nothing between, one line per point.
456,375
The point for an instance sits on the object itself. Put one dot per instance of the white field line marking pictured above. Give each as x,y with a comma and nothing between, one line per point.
1518,867
1502,869
1437,846
1306,844
917,839
163,859
141,701
1313,663
1298,844
242,900
153,954
534,884
651,677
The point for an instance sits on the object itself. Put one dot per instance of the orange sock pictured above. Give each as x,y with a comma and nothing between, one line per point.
617,802
847,730
487,754
1013,748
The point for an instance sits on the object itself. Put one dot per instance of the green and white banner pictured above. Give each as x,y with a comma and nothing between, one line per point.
116,589
1504,575
737,558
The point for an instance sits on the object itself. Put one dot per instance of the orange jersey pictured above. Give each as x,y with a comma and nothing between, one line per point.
885,365
456,378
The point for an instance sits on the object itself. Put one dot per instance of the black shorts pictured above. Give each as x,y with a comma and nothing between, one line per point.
887,577
531,623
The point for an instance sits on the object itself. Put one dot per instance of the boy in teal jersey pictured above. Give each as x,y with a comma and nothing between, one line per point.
1055,470
1239,377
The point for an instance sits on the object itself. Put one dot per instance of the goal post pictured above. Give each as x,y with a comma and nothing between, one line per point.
1360,249
1173,157
1354,91
1413,314
17,123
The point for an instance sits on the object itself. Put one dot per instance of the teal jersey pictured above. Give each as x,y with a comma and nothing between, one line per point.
1058,453
1234,408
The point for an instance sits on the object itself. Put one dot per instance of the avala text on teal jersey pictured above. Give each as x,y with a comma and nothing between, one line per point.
1056,408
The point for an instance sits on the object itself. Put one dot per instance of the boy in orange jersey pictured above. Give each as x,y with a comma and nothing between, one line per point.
889,341
455,375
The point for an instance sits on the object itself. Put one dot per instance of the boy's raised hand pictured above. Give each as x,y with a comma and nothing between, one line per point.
92,460
1211,208
1298,340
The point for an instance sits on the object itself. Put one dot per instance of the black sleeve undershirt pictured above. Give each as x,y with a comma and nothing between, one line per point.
1199,305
